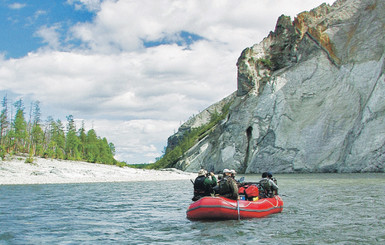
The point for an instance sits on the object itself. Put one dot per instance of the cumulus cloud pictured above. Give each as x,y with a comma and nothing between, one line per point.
50,35
90,5
144,139
125,85
138,95
17,5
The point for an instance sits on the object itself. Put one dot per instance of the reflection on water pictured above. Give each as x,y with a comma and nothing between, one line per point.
318,209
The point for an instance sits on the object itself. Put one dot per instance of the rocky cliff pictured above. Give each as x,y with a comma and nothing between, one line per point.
310,97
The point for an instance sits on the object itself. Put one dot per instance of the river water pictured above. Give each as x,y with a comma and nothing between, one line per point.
318,209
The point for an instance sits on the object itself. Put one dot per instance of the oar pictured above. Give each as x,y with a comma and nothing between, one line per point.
239,215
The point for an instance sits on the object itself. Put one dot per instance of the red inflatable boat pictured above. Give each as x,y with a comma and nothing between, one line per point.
220,208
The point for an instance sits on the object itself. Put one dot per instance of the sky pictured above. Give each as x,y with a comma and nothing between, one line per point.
133,70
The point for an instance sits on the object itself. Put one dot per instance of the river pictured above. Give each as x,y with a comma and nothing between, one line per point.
318,209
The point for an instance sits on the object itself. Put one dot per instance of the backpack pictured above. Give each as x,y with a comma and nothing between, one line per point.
241,190
252,191
224,187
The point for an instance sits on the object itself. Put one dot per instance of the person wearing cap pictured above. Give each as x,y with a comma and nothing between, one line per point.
227,186
203,184
269,188
233,173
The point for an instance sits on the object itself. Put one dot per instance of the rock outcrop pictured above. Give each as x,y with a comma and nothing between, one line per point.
310,97
199,120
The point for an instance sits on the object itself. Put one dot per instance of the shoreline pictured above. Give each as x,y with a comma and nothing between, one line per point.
53,171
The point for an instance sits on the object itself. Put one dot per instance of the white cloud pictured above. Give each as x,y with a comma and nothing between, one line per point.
122,25
142,139
137,96
17,5
90,5
50,35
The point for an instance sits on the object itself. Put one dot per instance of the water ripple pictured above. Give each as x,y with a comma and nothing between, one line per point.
318,209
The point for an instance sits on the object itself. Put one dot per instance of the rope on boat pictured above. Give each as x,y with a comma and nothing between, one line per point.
275,197
260,201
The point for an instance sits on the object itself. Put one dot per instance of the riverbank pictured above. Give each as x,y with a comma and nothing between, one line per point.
52,171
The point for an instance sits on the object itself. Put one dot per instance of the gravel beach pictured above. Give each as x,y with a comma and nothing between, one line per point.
51,171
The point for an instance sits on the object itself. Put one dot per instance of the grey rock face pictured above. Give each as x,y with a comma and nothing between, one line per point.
196,121
310,97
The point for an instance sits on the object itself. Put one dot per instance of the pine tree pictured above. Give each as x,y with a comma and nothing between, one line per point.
3,126
91,146
36,133
4,119
37,140
112,148
20,128
106,156
72,140
50,139
57,140
83,141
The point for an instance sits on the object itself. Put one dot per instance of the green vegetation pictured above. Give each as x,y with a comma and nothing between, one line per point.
139,165
171,156
50,140
266,63
29,160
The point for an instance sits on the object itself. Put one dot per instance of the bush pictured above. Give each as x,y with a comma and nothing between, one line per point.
121,164
29,160
266,62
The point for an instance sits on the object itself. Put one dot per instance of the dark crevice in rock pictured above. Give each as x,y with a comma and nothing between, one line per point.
335,61
249,132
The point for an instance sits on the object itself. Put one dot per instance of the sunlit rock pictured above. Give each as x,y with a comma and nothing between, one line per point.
310,97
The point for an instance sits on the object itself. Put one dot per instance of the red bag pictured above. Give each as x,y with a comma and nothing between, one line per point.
241,190
252,191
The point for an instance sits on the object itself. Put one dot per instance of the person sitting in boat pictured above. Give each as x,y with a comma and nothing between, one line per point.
270,176
203,184
268,187
238,182
227,186
233,173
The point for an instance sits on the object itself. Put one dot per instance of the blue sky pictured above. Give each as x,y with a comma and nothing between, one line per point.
21,20
134,70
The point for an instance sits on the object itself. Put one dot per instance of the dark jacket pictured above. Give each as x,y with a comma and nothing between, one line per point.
228,188
203,186
268,188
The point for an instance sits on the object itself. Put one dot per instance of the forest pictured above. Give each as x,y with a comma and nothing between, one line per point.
51,138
